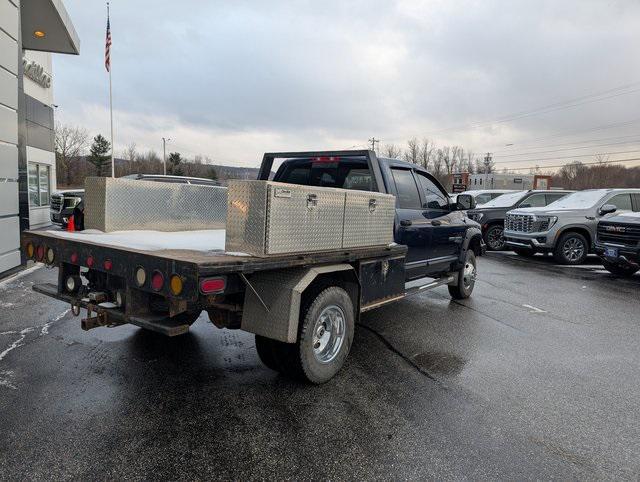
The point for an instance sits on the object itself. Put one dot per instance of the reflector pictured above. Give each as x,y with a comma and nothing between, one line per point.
212,285
157,281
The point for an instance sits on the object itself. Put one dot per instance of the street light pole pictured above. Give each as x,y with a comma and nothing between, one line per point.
164,154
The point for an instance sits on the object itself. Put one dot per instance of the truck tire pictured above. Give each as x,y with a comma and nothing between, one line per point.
618,270
266,352
466,278
493,237
572,248
324,340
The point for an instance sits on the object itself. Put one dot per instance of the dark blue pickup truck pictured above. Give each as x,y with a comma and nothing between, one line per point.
302,308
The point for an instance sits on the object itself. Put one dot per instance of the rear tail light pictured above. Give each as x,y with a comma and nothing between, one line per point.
157,281
30,250
107,265
90,262
51,256
175,283
141,276
212,285
74,258
40,253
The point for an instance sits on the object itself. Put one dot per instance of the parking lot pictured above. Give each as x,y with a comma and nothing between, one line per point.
536,376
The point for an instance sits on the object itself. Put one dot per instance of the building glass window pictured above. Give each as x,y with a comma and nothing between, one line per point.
39,184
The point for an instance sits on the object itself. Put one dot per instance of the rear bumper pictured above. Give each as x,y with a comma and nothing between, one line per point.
102,316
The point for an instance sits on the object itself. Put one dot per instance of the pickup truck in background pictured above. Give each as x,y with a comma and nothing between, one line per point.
566,228
63,203
302,307
618,242
491,215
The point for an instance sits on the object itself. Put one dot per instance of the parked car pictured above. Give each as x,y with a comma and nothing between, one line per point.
314,298
618,242
482,196
63,203
491,215
566,228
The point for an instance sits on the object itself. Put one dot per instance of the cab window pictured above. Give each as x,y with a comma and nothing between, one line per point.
433,197
408,197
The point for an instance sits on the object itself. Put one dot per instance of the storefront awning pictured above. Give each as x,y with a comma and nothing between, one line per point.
46,26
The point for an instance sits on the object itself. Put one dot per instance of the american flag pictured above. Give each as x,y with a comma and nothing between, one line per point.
107,48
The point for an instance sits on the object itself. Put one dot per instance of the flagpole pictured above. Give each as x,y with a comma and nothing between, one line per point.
113,168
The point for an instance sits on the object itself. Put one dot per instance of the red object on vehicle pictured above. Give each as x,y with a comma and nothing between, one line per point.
107,264
40,253
74,258
90,262
71,225
157,281
212,285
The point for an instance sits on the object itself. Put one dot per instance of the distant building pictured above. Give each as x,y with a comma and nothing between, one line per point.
463,181
30,30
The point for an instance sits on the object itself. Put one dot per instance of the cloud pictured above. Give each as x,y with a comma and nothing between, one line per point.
233,79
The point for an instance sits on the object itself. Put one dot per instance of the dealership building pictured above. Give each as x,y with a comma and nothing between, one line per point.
30,31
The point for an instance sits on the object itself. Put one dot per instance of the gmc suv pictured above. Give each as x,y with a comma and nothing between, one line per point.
566,228
491,215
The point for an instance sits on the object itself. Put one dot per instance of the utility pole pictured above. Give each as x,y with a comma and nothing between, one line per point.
373,142
487,163
164,154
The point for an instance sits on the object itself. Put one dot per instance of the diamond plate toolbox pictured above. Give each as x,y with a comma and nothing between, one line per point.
129,204
368,219
266,218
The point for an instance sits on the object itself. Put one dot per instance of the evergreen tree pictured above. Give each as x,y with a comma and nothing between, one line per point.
99,155
175,161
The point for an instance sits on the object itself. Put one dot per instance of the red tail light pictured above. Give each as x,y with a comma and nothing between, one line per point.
107,264
74,258
40,253
90,262
212,285
157,281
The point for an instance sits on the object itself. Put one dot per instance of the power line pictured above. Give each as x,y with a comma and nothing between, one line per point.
636,141
585,99
579,142
566,164
567,157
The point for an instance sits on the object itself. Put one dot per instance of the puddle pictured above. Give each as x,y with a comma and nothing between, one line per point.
436,363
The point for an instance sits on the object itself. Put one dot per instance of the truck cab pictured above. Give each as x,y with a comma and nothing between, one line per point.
433,228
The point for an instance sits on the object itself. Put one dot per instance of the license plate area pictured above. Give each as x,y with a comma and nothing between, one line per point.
611,252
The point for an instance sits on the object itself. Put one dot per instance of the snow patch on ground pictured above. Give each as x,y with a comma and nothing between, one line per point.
17,343
11,279
47,325
5,379
203,240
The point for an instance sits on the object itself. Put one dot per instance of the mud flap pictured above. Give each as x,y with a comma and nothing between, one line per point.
272,300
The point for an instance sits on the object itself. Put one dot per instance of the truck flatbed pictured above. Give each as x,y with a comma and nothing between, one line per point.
207,262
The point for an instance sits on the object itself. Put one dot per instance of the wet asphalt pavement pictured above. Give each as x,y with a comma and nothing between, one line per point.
537,376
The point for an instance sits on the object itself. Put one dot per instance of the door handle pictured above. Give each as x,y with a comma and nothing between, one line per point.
406,222
436,223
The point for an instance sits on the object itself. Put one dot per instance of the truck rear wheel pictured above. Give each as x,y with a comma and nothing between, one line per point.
324,340
466,278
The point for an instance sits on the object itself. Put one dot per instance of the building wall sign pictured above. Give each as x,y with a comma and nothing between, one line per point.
36,72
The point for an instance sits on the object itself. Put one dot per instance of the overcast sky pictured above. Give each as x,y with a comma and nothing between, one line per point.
232,79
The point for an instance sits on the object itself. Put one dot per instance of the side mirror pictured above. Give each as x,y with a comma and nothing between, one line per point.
607,209
465,202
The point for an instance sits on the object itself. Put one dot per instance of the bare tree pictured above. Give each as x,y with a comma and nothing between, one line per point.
392,151
412,153
70,143
469,164
426,153
130,152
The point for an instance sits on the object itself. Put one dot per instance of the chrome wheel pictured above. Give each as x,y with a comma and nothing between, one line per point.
573,249
495,238
469,275
328,334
